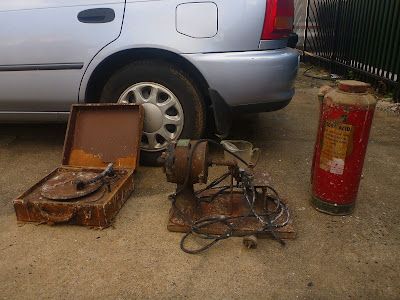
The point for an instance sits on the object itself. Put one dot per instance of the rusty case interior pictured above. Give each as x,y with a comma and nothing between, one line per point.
97,135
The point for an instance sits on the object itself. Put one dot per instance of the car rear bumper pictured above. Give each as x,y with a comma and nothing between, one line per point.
257,79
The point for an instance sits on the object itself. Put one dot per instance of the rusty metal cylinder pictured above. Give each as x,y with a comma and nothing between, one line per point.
343,131
176,159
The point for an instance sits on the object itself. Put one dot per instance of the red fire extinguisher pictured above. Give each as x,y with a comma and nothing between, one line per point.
343,131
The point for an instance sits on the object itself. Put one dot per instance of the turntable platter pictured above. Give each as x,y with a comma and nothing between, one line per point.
63,186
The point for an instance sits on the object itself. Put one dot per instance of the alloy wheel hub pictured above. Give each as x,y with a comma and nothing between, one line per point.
163,117
153,118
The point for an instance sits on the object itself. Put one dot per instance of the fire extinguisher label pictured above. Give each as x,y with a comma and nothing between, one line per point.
335,143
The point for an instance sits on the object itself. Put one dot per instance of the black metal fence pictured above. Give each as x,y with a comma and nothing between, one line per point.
357,39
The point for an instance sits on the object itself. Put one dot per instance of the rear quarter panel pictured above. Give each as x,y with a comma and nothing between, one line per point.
152,24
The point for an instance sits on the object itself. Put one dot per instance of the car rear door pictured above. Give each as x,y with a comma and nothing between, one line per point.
45,47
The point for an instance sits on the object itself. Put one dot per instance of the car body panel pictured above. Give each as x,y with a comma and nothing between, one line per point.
239,27
247,24
250,77
19,5
45,50
34,117
229,58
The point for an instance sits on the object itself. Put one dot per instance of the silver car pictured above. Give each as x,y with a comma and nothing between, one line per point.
182,60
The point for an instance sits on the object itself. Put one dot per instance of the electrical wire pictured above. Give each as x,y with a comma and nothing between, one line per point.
244,186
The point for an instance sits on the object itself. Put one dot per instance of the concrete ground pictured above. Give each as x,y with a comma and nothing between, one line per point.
356,256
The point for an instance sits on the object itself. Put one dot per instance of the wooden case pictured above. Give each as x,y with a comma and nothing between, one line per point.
97,135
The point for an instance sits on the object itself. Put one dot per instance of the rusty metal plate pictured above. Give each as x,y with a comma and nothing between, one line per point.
224,206
261,178
99,134
62,186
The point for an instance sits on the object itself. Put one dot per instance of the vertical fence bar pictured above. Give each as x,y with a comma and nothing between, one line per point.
356,54
335,35
352,33
364,34
387,38
343,33
306,29
390,59
380,41
377,29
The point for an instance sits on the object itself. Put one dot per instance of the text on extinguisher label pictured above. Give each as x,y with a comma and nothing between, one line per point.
335,143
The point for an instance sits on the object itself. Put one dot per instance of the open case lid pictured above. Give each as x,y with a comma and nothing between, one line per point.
99,134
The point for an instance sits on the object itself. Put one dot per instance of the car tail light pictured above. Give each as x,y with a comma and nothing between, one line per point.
278,21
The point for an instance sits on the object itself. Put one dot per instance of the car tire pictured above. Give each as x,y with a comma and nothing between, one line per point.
174,107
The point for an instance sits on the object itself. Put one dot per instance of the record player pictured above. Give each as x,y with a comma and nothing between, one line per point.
100,156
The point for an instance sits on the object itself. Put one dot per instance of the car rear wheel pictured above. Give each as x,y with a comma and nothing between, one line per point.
173,106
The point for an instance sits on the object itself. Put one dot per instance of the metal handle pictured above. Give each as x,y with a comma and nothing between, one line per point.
258,155
58,218
96,15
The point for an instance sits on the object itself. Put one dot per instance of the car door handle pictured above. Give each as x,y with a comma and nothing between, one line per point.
96,15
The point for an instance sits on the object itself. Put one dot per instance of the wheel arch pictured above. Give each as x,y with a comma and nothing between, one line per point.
114,62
